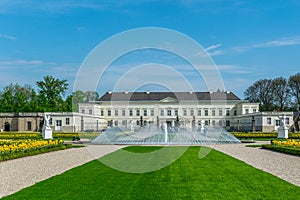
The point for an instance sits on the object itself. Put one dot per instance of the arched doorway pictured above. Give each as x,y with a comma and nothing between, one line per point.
6,126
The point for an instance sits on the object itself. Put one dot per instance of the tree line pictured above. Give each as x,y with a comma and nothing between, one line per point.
276,94
50,96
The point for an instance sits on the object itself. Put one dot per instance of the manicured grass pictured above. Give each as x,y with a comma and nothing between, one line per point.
216,176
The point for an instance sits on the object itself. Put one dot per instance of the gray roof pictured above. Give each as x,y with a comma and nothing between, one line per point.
158,96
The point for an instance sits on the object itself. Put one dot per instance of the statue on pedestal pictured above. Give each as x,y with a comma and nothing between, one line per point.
282,130
202,129
47,131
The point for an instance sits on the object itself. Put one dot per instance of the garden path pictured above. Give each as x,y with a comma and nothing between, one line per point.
23,172
284,166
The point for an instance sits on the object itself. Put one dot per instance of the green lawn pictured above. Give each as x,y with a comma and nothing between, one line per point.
217,176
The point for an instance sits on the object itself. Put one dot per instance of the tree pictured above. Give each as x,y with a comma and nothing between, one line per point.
294,84
261,92
51,92
80,97
16,98
281,93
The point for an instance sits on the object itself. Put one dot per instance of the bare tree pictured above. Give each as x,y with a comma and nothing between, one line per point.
281,93
294,84
261,92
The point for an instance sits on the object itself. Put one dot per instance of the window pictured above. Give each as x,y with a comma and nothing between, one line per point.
109,113
28,126
138,122
82,110
192,112
247,111
123,113
277,122
220,123
235,112
199,112
220,112
227,112
213,122
116,112
213,113
184,112
227,123
116,123
50,121
169,112
254,110
206,122
161,112
102,113
67,121
137,112
124,123
152,112
90,111
176,112
269,121
206,112
130,113
287,121
145,112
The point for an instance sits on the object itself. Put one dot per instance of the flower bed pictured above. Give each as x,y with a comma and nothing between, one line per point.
10,149
289,146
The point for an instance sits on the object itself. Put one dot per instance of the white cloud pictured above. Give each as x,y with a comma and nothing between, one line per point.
9,37
234,69
24,62
212,50
286,41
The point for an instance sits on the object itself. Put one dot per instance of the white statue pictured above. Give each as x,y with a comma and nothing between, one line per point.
131,127
202,129
47,121
47,131
282,130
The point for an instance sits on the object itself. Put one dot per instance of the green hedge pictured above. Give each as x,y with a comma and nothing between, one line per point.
263,135
283,149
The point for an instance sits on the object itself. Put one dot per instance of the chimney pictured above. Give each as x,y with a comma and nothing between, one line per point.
147,92
109,92
190,92
228,91
126,92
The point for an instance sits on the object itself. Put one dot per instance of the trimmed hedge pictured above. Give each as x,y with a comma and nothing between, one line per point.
263,135
283,149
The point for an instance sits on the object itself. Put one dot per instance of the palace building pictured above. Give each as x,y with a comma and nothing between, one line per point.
186,110
183,109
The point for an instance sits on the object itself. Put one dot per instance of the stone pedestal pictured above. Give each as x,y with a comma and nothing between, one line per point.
47,133
283,132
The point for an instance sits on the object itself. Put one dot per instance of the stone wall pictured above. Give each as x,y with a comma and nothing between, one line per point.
21,121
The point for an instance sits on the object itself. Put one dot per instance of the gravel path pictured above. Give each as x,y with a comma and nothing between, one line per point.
24,172
286,167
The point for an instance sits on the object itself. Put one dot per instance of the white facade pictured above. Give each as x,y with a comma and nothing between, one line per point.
184,113
261,121
75,122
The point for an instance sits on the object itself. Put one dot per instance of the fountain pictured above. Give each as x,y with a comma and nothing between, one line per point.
151,135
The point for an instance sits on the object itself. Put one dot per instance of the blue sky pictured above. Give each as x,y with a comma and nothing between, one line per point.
247,40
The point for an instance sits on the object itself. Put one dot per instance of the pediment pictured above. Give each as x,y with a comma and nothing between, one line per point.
168,100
